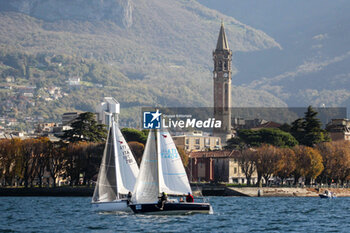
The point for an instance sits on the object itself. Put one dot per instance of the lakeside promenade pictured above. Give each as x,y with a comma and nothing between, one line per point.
210,190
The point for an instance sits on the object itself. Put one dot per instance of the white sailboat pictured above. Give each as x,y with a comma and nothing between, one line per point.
117,174
161,171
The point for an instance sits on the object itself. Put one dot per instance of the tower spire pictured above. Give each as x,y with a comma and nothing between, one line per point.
222,40
222,75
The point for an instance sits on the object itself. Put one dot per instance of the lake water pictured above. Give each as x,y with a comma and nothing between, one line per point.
231,214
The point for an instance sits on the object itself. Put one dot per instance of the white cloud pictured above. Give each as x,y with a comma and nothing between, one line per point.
307,67
320,36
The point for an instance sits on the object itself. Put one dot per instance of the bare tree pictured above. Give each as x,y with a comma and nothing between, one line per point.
266,161
55,160
246,160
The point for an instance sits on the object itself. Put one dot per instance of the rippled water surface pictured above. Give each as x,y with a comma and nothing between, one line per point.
231,214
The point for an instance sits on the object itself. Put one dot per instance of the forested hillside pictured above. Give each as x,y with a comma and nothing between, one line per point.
143,53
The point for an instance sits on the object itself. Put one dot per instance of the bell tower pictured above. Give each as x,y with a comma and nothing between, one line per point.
222,75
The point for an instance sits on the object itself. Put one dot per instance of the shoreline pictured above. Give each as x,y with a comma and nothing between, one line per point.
49,192
207,190
289,192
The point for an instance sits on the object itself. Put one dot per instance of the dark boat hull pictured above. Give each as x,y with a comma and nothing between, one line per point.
171,208
326,196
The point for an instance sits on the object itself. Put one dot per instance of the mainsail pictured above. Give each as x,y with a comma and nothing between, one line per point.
118,169
106,186
128,169
161,170
146,189
172,176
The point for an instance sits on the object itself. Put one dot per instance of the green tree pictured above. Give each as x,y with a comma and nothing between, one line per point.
275,137
235,143
285,127
134,135
308,130
137,149
297,129
313,132
85,128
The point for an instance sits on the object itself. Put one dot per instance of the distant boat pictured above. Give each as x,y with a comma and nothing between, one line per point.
117,174
162,171
327,194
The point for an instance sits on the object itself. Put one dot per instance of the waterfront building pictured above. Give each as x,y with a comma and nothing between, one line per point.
216,166
222,76
339,129
196,141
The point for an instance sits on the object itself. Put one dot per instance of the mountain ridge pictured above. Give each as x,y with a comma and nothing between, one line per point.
312,66
157,57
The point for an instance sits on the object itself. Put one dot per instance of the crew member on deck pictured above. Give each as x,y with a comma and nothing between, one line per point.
129,198
189,198
162,200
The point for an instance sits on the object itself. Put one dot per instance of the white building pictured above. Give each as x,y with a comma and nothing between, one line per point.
196,141
74,81
108,108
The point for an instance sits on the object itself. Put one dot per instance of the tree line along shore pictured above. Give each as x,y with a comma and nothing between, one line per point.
75,159
206,190
300,154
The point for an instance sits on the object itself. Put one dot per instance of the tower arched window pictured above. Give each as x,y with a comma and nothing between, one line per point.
225,65
220,66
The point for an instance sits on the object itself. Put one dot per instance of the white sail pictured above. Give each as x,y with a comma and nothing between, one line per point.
118,169
128,169
146,189
172,176
106,186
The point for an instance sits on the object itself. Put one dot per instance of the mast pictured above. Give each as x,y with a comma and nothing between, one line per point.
115,155
158,159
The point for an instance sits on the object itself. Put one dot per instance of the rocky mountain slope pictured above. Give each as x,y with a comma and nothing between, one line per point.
158,52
